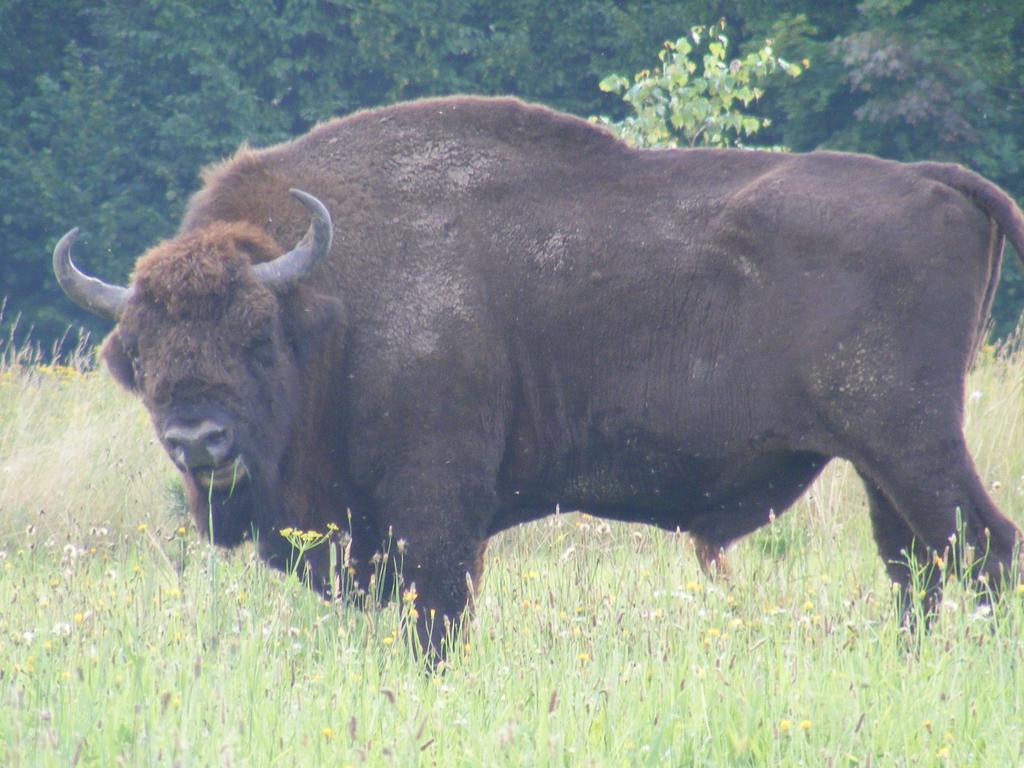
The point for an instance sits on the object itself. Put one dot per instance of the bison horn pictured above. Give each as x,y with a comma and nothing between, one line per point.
98,297
300,261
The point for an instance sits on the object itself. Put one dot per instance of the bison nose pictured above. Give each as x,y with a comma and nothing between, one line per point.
203,444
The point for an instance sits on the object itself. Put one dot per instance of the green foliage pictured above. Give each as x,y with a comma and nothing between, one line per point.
683,102
109,128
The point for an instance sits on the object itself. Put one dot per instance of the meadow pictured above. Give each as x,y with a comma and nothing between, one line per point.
125,639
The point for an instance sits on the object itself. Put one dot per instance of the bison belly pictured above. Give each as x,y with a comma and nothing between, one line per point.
718,499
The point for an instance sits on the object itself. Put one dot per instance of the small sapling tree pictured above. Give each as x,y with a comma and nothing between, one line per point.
695,96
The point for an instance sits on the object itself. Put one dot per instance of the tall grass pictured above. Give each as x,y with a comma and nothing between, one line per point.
125,640
77,455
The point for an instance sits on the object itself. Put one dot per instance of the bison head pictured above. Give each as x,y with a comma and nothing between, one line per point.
213,334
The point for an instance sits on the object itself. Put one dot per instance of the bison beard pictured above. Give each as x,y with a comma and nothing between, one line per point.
230,513
518,310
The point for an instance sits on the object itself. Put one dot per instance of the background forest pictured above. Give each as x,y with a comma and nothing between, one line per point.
109,110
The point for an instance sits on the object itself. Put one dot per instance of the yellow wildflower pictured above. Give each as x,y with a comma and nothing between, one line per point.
784,726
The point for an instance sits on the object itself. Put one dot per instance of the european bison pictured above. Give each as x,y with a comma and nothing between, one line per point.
517,309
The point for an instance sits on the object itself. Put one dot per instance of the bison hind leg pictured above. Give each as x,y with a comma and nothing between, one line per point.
906,558
927,501
764,488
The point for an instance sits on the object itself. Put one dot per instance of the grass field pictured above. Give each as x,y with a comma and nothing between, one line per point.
126,640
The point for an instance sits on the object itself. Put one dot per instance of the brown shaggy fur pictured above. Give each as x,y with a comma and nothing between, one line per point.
202,267
518,310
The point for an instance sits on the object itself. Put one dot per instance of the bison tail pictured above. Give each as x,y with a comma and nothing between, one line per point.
998,205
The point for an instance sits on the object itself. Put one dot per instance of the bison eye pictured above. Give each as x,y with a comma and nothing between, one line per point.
136,361
260,351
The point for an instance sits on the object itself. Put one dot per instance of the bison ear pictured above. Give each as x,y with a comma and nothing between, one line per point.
119,363
311,320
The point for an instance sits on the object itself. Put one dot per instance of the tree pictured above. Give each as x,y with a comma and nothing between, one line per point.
916,81
685,102
110,129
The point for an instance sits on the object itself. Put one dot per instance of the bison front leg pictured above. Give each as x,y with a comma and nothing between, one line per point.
436,551
440,582
428,437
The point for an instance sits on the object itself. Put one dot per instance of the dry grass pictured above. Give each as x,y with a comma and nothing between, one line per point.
125,640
